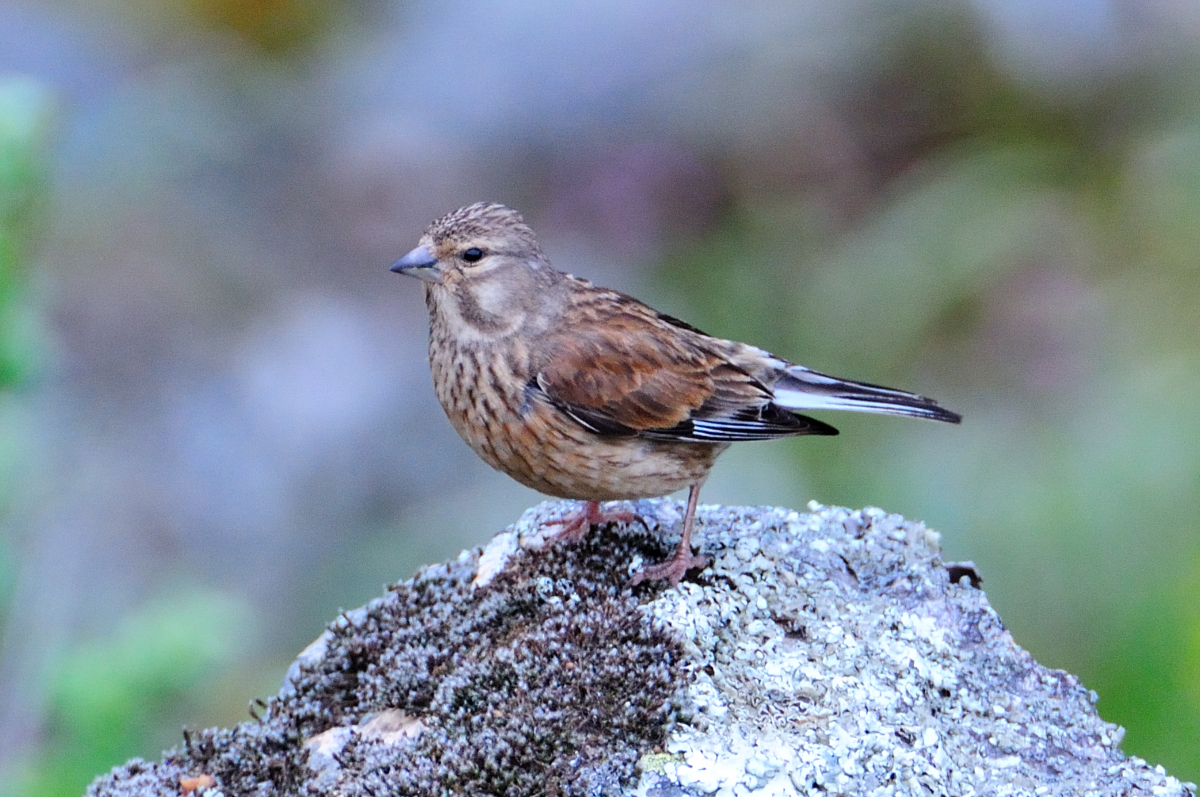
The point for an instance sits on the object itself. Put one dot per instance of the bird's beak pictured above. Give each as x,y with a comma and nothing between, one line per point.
419,263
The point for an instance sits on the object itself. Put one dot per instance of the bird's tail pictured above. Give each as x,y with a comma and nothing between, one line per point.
802,389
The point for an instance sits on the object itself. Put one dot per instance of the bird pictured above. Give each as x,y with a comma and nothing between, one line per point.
585,393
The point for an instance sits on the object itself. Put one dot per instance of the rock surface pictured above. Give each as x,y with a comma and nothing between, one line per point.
827,652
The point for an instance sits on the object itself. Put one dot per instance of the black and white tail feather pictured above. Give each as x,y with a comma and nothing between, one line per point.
801,388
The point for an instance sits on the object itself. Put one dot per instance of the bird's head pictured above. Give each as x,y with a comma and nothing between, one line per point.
481,266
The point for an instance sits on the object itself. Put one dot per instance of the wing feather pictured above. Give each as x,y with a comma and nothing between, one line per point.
636,374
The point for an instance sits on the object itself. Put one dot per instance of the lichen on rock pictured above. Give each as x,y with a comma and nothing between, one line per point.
826,652
831,653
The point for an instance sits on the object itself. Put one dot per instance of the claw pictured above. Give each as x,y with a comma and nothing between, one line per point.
674,569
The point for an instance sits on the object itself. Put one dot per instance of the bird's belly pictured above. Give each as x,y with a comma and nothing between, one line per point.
554,455
572,462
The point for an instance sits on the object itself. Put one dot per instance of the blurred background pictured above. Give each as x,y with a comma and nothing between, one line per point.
216,420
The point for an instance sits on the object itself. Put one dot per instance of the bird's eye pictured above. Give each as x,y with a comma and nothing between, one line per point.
472,255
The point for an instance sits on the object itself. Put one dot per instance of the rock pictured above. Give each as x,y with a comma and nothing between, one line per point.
828,652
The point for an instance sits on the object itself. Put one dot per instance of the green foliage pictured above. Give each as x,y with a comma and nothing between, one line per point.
125,695
25,124
26,114
118,697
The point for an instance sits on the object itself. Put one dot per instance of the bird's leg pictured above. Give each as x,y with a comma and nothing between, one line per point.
577,525
673,569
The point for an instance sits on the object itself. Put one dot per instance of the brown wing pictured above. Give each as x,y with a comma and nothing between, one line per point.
623,377
629,373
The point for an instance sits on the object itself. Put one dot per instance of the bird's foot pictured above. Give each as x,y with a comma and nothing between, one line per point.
575,526
672,571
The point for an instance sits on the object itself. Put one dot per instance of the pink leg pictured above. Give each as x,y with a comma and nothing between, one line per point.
578,524
673,569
